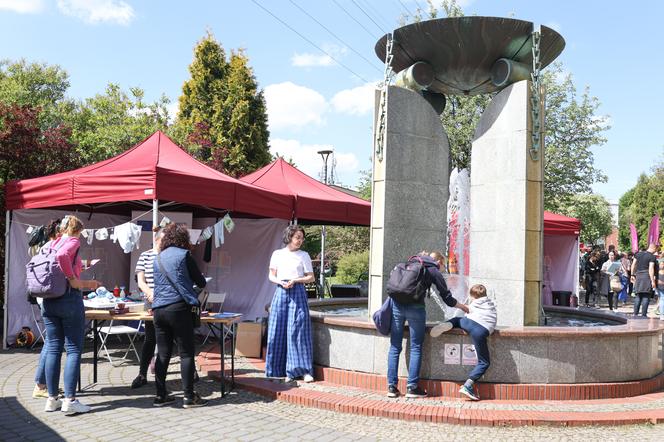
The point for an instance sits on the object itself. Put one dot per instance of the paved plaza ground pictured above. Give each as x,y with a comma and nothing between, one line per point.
119,413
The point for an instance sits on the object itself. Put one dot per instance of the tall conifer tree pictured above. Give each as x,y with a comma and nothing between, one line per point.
222,118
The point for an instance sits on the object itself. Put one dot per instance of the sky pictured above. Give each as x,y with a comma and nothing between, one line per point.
317,65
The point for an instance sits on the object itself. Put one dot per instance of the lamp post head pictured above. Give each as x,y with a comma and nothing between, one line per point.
325,153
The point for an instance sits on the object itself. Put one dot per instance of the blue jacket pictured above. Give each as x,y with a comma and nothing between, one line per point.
177,263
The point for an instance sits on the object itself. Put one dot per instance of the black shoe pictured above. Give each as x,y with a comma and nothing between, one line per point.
162,401
139,381
415,392
393,391
194,402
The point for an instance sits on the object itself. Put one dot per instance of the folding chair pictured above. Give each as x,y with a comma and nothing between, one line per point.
39,323
213,299
118,330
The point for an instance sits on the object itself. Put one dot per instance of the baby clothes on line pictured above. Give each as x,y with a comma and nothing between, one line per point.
88,234
206,234
219,234
101,234
228,223
128,234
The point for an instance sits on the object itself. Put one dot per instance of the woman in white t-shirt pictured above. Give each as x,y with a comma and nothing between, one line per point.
289,346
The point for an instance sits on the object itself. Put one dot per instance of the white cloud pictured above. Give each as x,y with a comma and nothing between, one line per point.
356,101
319,60
311,60
307,159
294,106
22,6
98,11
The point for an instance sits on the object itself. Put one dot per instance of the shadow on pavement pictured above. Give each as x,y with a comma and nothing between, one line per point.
17,423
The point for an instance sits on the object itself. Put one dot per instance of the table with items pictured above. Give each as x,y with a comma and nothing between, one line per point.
99,315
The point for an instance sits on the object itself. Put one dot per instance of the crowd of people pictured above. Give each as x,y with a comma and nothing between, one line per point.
170,289
169,279
621,277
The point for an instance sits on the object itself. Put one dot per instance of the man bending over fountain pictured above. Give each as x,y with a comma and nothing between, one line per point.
479,324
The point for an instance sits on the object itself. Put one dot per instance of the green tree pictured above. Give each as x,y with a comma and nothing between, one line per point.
222,118
364,187
571,122
110,123
639,204
594,213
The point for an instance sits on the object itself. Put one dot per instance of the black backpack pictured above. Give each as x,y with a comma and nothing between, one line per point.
409,281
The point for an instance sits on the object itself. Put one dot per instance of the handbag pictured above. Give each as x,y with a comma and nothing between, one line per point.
195,310
615,283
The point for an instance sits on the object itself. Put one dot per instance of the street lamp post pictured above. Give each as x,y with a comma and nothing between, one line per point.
325,154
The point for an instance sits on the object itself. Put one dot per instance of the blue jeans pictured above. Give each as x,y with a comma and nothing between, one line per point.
416,316
479,335
64,319
660,292
642,300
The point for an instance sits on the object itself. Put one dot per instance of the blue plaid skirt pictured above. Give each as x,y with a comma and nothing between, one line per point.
289,344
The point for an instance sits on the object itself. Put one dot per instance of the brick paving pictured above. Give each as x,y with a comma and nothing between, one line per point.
120,413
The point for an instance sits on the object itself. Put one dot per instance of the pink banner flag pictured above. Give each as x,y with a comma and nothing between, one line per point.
653,233
634,238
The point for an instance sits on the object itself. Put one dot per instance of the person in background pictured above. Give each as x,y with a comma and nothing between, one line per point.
592,273
175,273
660,288
415,314
605,281
643,276
64,318
289,344
479,323
145,277
40,391
630,284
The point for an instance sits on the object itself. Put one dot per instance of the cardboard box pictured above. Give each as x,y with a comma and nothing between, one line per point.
248,341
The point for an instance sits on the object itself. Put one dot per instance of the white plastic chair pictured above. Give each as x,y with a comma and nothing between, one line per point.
118,330
214,299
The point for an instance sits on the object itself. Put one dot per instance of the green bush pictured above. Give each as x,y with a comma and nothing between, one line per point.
352,266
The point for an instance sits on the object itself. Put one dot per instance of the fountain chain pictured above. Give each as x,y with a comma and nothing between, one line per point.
382,109
536,99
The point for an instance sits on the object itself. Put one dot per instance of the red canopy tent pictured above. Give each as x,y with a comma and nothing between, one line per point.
154,169
315,202
561,255
555,224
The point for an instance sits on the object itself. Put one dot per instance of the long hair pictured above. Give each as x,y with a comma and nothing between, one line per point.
71,225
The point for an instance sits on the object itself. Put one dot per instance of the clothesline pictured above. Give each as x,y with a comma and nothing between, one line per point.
128,233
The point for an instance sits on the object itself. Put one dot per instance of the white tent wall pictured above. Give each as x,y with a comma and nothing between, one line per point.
111,270
563,254
240,266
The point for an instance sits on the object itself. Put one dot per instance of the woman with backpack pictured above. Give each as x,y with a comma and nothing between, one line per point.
64,318
414,312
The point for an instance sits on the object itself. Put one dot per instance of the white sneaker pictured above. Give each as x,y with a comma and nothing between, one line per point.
308,378
440,329
52,404
74,406
288,380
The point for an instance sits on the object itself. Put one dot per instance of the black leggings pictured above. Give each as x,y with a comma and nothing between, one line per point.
174,322
148,348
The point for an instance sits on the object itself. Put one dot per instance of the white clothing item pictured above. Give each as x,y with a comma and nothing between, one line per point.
194,234
206,234
483,311
101,234
164,222
52,404
290,265
219,234
74,406
88,234
128,234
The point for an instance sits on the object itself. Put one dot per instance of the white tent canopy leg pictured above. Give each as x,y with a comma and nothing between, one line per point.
8,218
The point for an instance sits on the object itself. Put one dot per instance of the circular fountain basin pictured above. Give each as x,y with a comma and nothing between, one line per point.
600,347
